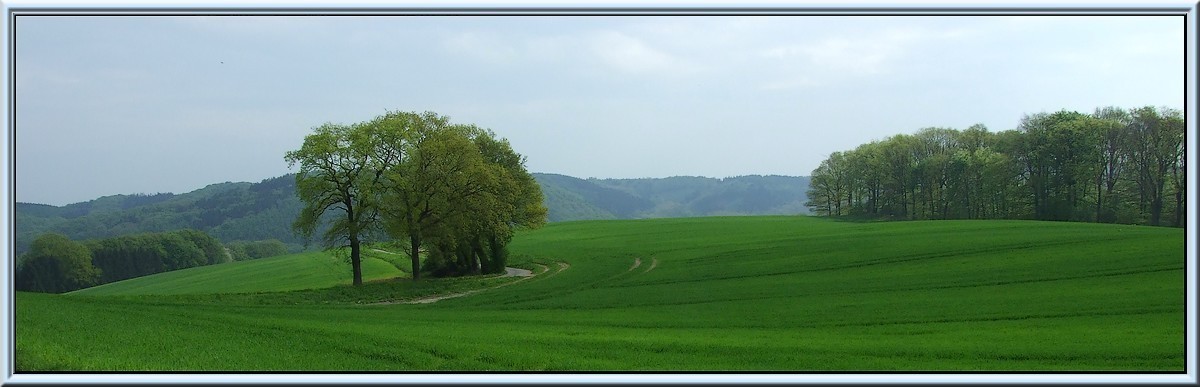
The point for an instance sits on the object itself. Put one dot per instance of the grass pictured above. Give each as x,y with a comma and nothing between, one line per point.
738,293
280,273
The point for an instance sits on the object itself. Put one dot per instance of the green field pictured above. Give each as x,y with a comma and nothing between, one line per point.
737,293
280,273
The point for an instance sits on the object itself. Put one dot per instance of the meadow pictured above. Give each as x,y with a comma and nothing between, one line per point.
778,293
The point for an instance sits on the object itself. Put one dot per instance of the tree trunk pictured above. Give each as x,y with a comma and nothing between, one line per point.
415,254
356,259
1156,205
476,251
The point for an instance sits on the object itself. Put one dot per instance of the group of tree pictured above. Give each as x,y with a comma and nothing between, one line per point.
452,191
247,250
56,264
1113,166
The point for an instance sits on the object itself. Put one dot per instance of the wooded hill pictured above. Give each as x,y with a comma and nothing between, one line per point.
570,198
265,210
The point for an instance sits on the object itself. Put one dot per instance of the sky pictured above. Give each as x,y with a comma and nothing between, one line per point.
145,104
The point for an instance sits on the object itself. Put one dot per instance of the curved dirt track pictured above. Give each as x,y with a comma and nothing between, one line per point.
515,272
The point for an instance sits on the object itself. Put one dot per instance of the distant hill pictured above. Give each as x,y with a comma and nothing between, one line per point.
265,210
227,211
570,198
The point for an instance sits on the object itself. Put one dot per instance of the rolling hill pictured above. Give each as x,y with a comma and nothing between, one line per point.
266,210
570,198
280,273
783,293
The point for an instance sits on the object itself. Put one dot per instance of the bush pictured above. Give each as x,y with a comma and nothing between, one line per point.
55,264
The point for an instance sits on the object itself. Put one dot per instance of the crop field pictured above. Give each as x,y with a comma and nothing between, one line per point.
733,293
280,273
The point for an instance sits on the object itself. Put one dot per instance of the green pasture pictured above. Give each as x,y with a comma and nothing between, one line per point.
734,293
279,273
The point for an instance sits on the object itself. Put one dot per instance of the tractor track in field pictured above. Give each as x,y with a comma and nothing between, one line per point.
508,272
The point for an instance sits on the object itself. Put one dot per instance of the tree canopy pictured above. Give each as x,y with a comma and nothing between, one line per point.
56,264
1115,165
444,188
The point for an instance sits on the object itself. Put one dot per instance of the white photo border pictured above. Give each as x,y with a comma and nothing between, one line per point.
13,9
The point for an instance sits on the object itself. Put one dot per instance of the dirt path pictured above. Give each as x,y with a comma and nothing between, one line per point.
653,264
508,272
636,262
515,272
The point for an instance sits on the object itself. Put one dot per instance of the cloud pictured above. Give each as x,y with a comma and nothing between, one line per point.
486,47
790,83
629,54
845,56
611,50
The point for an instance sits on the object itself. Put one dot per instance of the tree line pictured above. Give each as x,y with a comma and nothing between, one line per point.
56,264
247,250
1113,166
453,192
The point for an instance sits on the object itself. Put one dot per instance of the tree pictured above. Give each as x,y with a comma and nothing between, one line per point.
1156,141
823,190
214,252
428,194
56,264
338,175
1113,130
448,190
512,200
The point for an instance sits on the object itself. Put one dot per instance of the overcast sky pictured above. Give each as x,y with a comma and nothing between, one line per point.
120,105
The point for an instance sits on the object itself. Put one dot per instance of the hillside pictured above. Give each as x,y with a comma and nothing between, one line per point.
716,293
570,198
266,210
280,273
227,211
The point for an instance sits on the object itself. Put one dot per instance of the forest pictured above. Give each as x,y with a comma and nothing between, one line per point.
1115,165
56,264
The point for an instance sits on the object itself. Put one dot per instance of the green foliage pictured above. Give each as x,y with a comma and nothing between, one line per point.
562,204
56,264
211,248
267,209
1112,166
242,250
731,293
139,255
227,211
418,178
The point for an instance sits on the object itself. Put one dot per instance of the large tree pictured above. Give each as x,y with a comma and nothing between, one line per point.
429,195
338,175
1156,139
511,199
